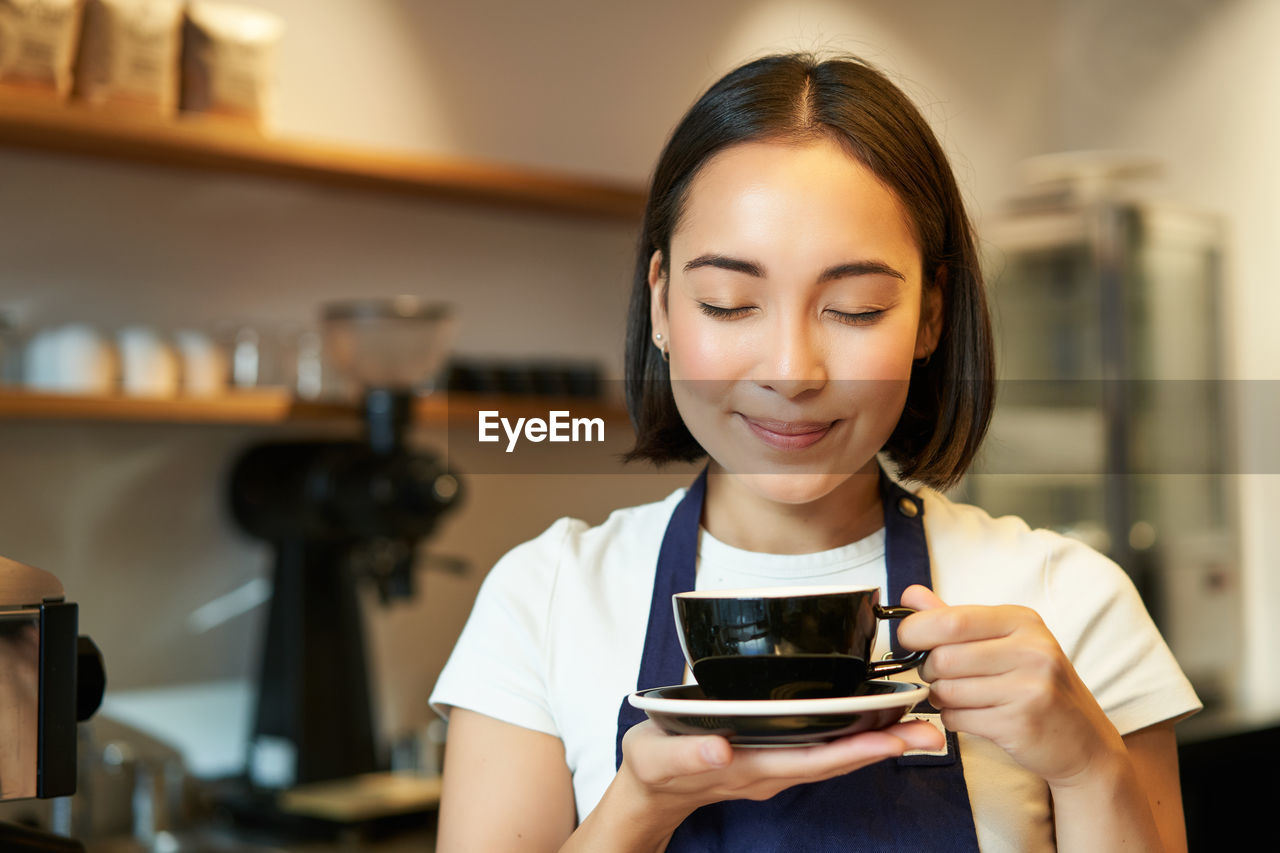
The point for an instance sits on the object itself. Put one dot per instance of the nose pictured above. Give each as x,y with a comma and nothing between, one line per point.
794,360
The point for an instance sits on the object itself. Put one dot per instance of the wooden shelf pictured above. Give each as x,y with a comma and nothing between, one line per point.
277,407
245,407
205,143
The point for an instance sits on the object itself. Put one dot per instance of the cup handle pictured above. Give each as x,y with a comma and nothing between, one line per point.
893,666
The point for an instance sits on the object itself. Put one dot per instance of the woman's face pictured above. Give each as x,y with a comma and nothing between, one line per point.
794,310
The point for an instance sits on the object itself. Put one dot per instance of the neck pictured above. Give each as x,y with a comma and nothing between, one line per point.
741,516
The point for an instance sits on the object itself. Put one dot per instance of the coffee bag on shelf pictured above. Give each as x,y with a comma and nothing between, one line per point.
228,61
38,44
129,55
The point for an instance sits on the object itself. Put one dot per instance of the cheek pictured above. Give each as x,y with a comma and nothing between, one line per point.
879,364
702,351
881,353
702,376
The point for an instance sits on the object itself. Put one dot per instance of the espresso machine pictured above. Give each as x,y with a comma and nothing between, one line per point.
50,679
339,514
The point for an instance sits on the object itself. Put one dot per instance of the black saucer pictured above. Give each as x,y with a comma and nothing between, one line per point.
683,709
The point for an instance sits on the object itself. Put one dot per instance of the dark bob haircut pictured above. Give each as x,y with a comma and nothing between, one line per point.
799,98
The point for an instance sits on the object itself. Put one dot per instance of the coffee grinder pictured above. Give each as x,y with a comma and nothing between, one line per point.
337,514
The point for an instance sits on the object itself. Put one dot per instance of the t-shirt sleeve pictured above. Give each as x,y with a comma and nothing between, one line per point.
499,665
1105,630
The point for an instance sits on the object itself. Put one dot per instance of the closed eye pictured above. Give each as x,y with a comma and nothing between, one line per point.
724,313
862,318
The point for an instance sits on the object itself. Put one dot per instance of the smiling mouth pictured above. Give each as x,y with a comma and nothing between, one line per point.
788,435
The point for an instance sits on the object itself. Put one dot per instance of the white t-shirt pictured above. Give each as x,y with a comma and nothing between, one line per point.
555,639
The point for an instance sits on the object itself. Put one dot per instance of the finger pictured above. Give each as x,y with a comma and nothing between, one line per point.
715,752
920,597
994,724
854,752
657,756
918,734
973,693
970,660
821,761
929,629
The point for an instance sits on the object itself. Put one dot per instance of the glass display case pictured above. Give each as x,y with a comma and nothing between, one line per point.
1112,417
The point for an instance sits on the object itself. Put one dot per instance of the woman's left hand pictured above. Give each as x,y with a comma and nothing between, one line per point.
997,672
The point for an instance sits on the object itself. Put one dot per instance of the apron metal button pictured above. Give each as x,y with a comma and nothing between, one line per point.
908,507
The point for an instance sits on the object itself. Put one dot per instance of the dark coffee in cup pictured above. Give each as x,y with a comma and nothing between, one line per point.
785,642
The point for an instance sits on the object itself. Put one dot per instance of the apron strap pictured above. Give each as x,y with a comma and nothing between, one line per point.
906,549
663,660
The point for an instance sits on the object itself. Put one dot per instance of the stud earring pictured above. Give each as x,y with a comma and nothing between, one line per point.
657,340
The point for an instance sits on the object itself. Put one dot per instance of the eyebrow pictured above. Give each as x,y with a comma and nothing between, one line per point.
846,270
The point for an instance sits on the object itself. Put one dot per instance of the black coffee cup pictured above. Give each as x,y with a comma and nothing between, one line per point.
785,642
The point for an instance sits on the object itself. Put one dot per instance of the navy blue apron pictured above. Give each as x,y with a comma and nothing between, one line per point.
911,803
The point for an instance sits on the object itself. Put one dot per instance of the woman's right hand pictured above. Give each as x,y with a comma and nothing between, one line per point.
664,778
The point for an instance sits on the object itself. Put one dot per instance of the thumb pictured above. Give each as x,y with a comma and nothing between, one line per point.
919,597
690,755
653,755
714,752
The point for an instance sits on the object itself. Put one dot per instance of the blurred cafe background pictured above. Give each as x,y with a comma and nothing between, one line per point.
249,247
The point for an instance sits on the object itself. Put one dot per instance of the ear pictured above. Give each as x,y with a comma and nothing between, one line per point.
657,295
930,328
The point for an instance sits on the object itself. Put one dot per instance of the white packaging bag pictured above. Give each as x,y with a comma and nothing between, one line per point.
130,55
38,44
229,61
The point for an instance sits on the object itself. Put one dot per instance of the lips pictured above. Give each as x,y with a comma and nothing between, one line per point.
788,435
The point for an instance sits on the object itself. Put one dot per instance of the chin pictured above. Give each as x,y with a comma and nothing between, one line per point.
793,488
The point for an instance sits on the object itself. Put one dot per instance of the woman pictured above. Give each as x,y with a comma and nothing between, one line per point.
807,296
